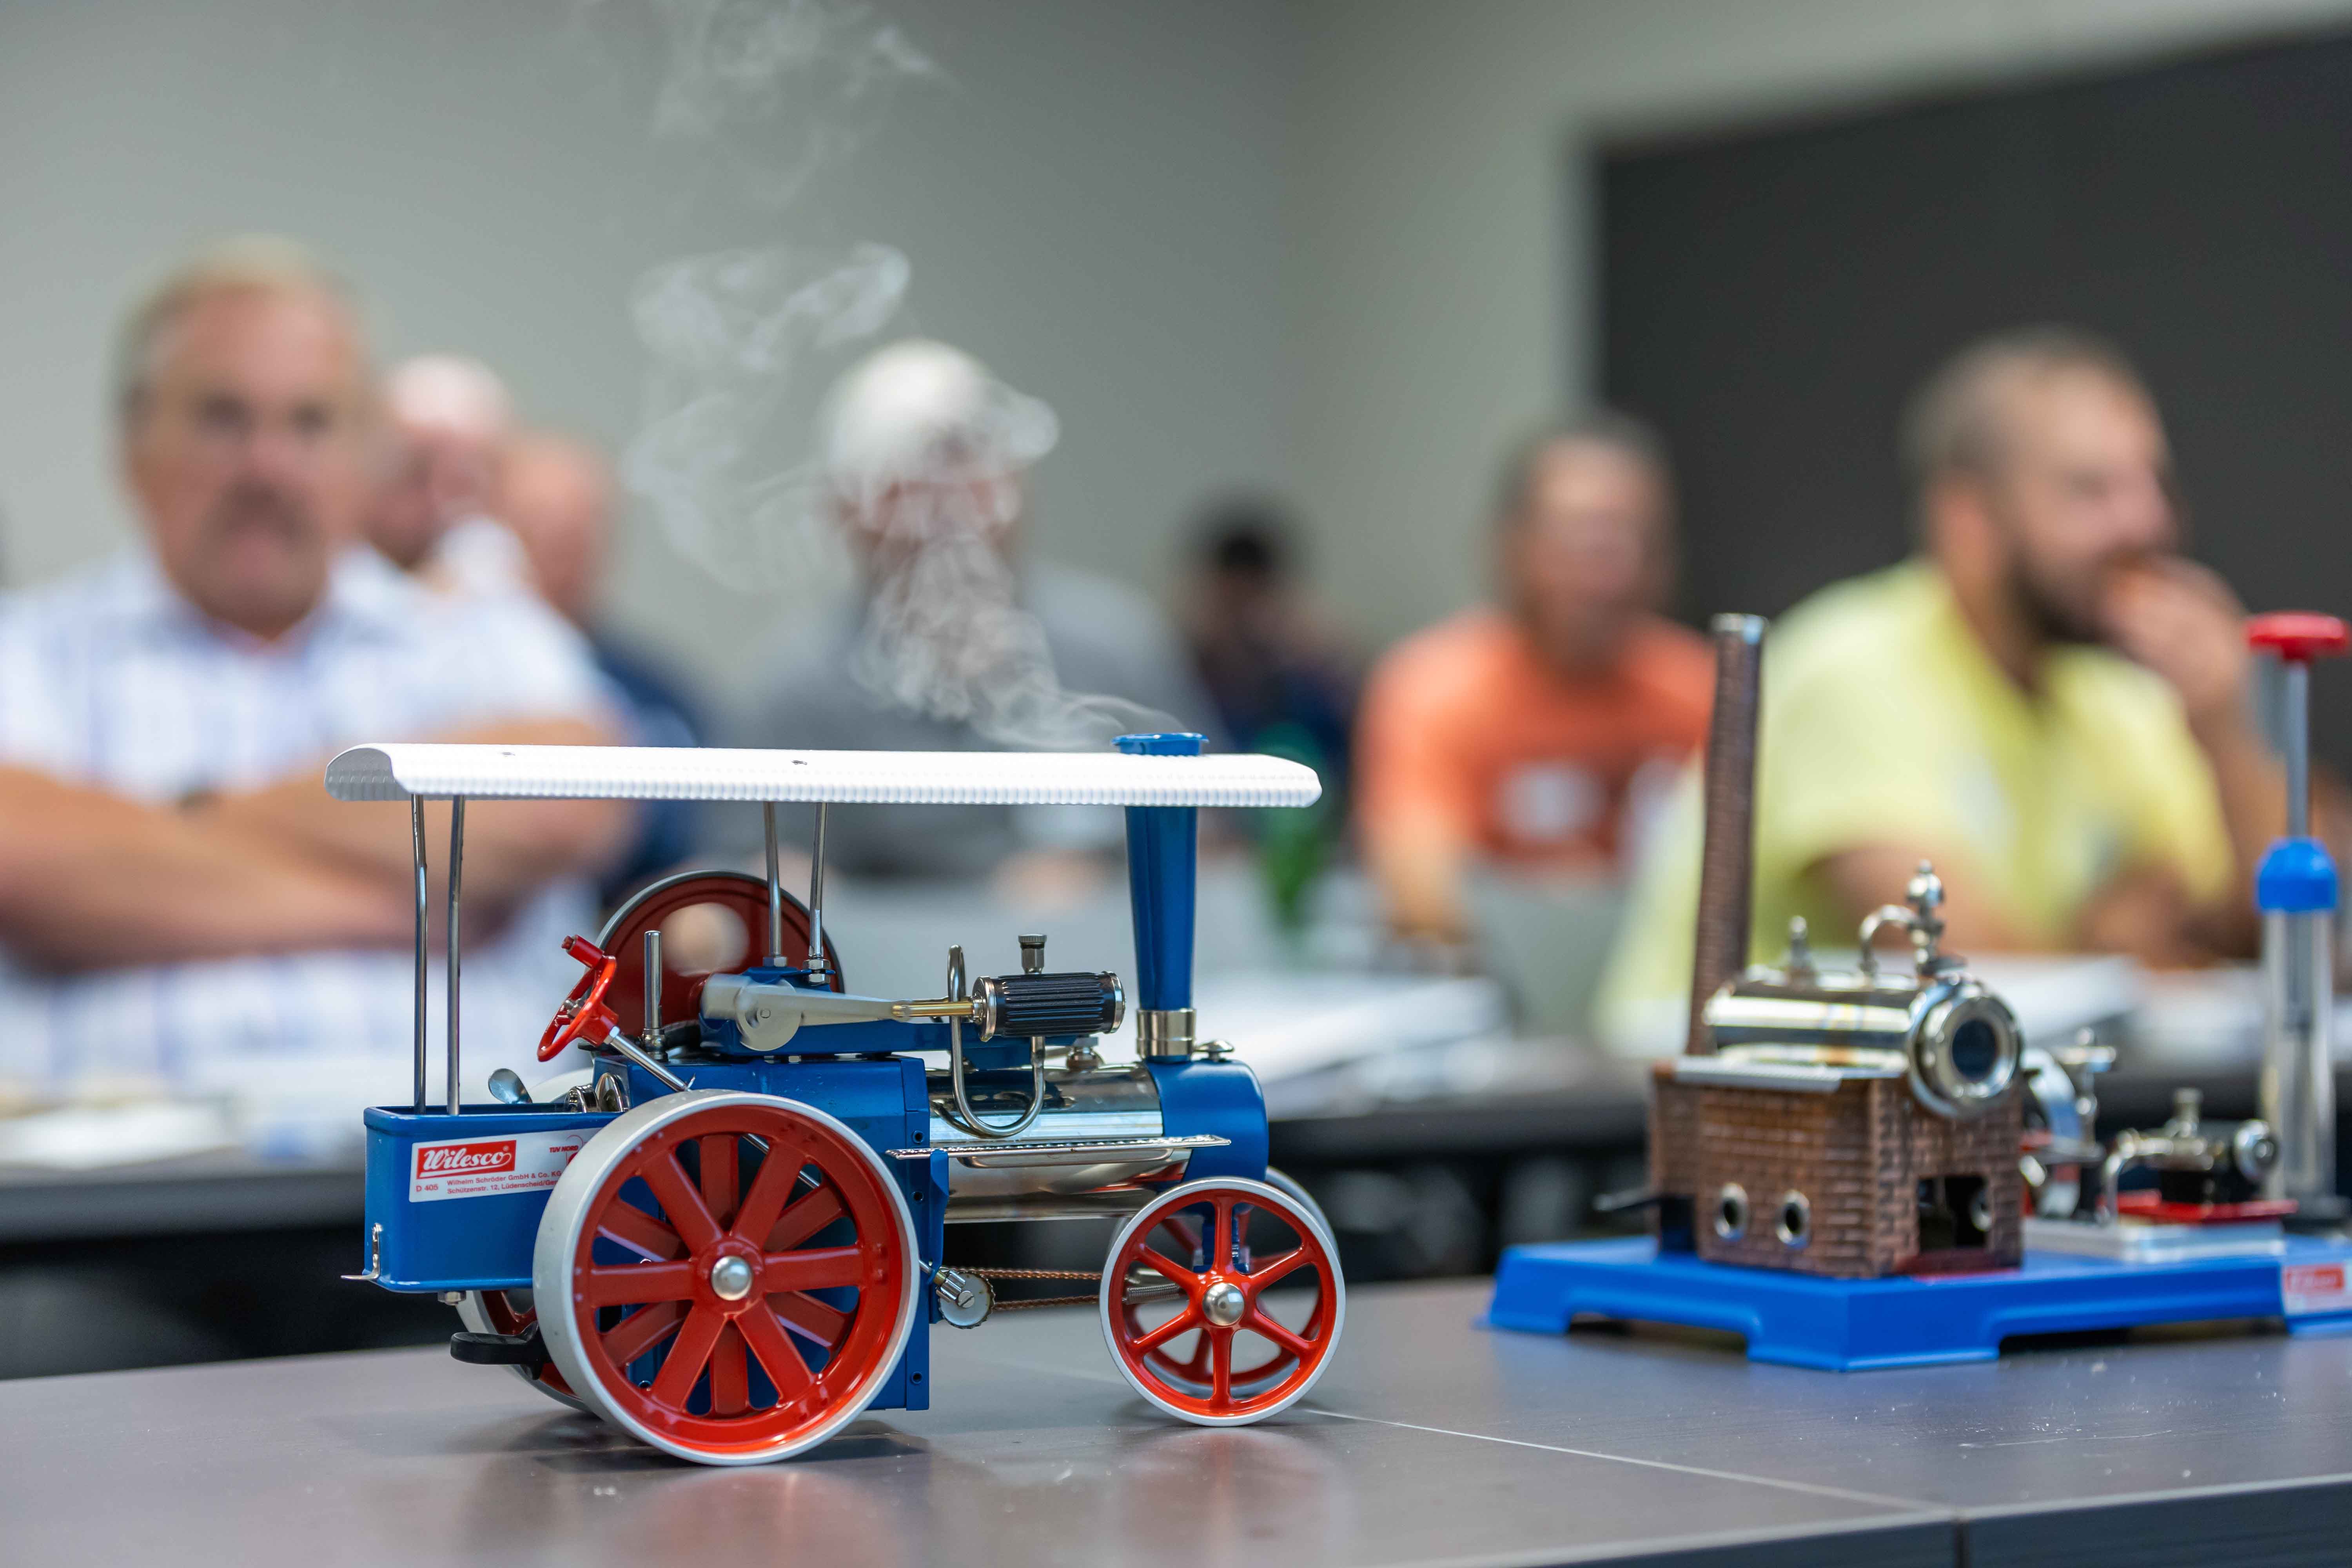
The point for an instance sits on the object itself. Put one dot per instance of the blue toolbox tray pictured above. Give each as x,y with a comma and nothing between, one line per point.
453,1202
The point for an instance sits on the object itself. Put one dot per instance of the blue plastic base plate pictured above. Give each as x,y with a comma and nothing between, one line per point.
1853,1325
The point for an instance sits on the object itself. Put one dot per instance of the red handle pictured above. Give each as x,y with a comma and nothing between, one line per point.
583,1013
2298,636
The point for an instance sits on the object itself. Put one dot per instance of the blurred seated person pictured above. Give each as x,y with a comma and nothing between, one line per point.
447,421
1527,735
1281,676
179,898
556,495
2046,701
956,639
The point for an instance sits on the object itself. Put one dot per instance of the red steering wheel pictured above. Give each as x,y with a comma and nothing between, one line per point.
582,1013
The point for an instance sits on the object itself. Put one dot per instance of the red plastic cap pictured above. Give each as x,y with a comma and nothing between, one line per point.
2298,635
589,953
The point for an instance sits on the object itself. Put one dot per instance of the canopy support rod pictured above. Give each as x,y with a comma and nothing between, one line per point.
416,848
816,897
775,888
655,974
457,864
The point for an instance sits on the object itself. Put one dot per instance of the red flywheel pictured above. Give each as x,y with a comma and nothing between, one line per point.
728,1277
1209,1327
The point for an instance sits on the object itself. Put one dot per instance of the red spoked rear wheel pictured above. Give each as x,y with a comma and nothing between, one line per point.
1208,1327
728,1277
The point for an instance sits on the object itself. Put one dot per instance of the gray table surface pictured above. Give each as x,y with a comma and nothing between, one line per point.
1430,1442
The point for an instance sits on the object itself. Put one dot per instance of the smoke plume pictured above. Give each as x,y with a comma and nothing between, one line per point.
736,340
774,97
926,450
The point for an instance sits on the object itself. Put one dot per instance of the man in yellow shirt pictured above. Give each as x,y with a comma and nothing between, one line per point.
2046,701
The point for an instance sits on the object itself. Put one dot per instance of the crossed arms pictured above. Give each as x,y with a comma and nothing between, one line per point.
91,880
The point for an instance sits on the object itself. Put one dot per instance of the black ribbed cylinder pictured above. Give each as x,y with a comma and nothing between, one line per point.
1054,1004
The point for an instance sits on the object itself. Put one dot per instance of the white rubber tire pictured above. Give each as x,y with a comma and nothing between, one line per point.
1301,1215
559,1238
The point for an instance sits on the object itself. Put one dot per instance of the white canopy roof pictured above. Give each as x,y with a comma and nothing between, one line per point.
926,778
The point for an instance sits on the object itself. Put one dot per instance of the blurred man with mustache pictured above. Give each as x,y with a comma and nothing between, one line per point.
179,898
2048,700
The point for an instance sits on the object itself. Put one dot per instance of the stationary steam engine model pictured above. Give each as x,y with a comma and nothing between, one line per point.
1865,1168
1850,1124
727,1237
1853,1125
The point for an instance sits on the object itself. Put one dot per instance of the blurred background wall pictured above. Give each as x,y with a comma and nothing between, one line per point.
1089,195
1445,254
1771,294
1345,246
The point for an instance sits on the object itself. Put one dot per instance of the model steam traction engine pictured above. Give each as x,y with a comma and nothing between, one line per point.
727,1237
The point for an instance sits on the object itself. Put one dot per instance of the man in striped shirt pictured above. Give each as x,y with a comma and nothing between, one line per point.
179,899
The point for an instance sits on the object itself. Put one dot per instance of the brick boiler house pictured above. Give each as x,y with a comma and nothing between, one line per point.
1853,1181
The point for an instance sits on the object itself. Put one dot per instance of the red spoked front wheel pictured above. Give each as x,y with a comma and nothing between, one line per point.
1208,1326
728,1277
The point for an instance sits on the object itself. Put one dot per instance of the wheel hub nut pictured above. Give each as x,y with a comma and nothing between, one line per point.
731,1279
1221,1303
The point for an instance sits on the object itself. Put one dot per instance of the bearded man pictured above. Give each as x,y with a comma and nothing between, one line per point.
2048,700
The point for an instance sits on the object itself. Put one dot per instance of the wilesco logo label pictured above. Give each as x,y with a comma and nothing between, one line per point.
449,1159
477,1167
2310,1288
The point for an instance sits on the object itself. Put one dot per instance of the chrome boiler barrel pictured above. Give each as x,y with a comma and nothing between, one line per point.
1100,1130
1959,1043
1956,1041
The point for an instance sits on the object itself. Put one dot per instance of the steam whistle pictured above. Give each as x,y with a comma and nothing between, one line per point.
2295,890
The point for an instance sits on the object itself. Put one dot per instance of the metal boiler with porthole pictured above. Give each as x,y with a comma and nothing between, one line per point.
1852,1124
728,1232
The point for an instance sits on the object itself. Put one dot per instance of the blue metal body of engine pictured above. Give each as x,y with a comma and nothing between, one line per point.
424,1242
453,1203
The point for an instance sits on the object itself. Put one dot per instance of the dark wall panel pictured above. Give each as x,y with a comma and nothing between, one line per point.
1769,297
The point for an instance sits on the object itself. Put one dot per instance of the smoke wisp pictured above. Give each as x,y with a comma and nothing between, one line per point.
735,341
774,95
783,89
930,481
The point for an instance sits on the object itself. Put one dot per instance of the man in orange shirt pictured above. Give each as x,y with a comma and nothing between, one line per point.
1524,734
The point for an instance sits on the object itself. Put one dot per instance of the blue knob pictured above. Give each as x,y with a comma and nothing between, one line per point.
2296,878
